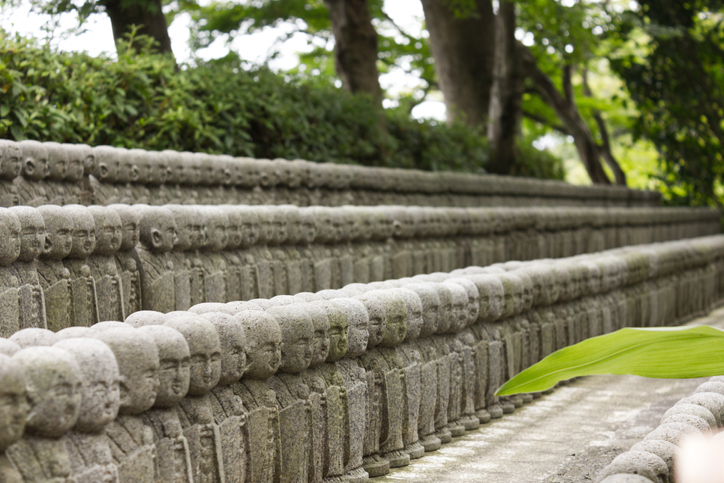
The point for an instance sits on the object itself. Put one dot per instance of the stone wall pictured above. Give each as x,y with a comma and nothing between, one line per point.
337,385
34,173
76,266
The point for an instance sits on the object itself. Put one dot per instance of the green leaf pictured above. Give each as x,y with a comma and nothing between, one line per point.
666,353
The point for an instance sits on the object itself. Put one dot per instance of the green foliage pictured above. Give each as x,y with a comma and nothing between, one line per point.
537,163
666,353
217,107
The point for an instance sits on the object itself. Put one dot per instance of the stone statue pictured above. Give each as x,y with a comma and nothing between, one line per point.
195,410
53,276
34,169
173,458
213,262
13,400
234,270
261,254
158,234
126,258
54,395
104,268
83,285
32,241
10,166
54,183
90,454
10,244
76,185
34,337
131,441
182,256
249,235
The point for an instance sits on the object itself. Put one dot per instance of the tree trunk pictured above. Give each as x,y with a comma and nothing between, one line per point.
567,111
147,14
463,47
507,94
355,49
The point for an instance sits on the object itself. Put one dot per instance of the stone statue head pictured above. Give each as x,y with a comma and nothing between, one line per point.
144,318
10,237
473,305
131,226
297,336
109,230
57,161
527,280
491,293
137,359
175,166
99,376
250,172
513,294
34,160
299,174
266,224
174,370
53,389
338,329
84,231
127,167
320,343
183,216
34,337
205,350
322,217
249,226
207,307
263,342
217,223
293,223
376,313
268,176
309,227
58,232
13,402
32,232
359,321
445,312
594,277
430,306
73,333
10,160
190,168
159,168
413,320
158,231
564,282
233,346
143,162
8,347
395,316
459,318
106,163
235,227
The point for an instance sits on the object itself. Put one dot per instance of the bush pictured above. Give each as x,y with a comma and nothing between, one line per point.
141,101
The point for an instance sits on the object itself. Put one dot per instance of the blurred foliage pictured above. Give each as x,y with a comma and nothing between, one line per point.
673,65
141,101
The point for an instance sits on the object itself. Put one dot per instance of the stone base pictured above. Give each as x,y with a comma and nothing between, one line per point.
457,429
537,395
517,400
397,458
495,411
376,466
527,398
358,475
431,443
415,450
508,407
483,416
470,422
444,435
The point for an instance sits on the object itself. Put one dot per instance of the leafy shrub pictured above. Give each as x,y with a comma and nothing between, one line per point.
141,101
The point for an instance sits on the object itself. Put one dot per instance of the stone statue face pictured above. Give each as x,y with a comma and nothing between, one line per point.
84,231
58,232
445,314
76,156
32,232
233,346
564,282
138,363
174,371
130,222
509,301
10,243
264,344
414,320
297,336
205,350
10,163
323,223
395,317
473,305
106,163
13,402
234,229
127,168
183,217
57,161
216,223
527,298
34,161
250,170
320,343
309,228
279,226
53,388
359,322
338,330
376,313
551,289
158,229
143,162
459,307
249,227
266,224
99,376
594,278
199,227
109,230
268,174
175,166
293,224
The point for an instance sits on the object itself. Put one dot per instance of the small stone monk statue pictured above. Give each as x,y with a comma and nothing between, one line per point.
9,283
85,297
53,276
32,241
13,400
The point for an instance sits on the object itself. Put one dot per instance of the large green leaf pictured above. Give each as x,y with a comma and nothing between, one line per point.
667,353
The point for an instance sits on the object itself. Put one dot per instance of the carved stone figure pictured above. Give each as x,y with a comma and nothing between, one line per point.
54,396
32,240
34,169
10,244
90,454
53,276
126,258
195,410
34,337
214,265
76,186
103,266
14,404
158,234
54,184
10,166
131,441
83,285
173,458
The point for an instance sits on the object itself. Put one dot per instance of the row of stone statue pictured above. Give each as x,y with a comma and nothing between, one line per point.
34,173
338,385
75,266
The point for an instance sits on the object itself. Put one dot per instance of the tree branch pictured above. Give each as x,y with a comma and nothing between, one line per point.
542,120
